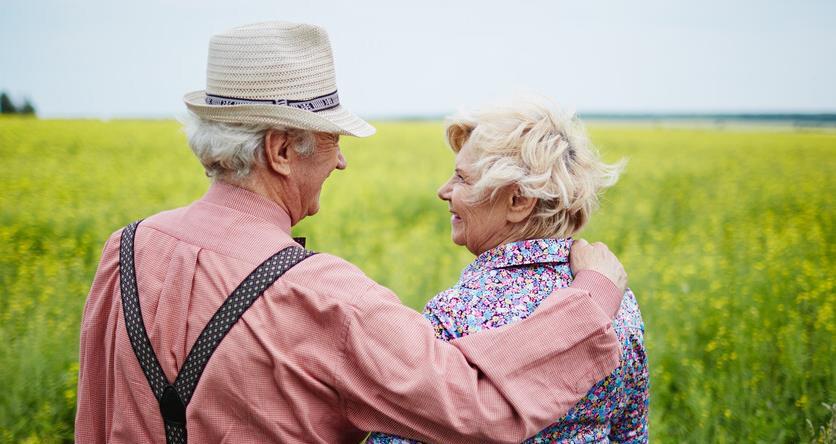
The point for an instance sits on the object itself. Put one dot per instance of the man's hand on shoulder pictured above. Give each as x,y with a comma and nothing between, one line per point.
597,257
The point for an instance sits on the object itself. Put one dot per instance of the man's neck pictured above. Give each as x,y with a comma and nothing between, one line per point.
255,183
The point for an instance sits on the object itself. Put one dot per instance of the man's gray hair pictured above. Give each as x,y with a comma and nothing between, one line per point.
228,151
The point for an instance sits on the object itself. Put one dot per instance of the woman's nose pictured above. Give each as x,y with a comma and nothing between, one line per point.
444,191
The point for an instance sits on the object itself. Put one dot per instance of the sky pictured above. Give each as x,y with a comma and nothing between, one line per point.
111,59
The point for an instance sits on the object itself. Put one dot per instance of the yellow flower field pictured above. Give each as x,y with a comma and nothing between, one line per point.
727,236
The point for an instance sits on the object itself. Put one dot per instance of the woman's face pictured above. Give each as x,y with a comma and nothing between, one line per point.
478,226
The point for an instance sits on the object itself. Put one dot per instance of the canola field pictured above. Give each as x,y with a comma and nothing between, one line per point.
727,236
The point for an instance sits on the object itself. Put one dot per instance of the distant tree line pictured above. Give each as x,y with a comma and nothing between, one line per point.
7,106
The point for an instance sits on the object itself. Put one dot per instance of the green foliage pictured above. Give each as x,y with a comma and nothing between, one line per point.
27,107
6,104
826,434
727,236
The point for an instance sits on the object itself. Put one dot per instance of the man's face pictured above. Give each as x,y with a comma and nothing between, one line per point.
315,168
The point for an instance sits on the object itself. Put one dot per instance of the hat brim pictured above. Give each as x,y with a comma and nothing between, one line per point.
336,120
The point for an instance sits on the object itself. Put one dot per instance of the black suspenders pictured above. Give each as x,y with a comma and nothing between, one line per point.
174,397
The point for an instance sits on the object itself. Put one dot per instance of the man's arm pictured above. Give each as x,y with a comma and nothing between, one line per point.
92,421
502,385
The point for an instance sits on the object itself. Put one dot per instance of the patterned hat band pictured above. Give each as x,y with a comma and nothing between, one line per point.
321,103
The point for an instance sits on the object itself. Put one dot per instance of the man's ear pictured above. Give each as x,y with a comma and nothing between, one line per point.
520,206
277,151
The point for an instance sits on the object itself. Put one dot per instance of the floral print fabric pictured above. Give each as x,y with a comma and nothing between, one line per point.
506,284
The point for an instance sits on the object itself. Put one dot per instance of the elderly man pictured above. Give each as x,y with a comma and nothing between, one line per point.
210,322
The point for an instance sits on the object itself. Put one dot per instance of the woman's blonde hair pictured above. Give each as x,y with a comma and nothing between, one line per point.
530,143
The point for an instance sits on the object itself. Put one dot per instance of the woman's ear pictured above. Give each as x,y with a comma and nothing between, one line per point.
520,206
276,151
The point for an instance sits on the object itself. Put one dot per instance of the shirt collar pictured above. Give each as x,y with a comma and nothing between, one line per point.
245,201
529,251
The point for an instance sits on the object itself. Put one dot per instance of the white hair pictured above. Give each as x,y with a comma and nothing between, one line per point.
229,151
545,152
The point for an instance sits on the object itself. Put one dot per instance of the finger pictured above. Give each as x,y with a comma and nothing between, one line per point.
580,243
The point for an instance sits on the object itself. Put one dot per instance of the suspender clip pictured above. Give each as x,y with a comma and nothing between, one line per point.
172,407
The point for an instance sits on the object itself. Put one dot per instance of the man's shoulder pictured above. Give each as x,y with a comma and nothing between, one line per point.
113,239
331,276
326,266
172,221
154,220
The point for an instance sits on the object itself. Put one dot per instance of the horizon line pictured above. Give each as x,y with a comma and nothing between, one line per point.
811,115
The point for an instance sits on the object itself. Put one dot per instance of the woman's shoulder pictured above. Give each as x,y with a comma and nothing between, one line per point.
446,311
629,315
493,298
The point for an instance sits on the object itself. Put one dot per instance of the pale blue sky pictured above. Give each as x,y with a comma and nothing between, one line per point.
117,58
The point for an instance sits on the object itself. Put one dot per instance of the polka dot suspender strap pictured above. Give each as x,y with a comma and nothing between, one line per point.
173,398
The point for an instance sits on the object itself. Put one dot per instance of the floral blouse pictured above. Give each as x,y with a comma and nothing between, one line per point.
506,284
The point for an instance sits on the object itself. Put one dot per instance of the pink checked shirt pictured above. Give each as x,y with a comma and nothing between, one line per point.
326,353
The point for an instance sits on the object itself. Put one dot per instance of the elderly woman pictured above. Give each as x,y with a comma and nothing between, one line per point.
526,179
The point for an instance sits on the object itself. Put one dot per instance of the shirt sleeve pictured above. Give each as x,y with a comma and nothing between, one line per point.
92,423
441,332
501,385
629,423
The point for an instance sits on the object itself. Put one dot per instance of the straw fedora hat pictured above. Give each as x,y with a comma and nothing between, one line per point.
274,73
